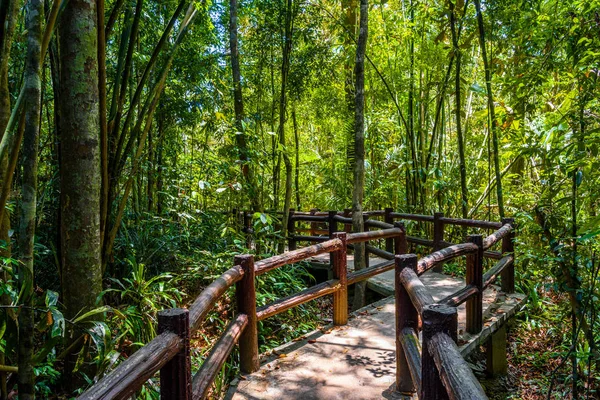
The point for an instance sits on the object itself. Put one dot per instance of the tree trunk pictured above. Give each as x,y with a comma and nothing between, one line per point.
80,159
491,110
459,133
238,102
359,150
297,154
33,23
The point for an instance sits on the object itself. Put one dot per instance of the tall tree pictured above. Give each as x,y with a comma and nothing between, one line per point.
238,102
33,69
8,20
493,123
458,113
359,149
80,176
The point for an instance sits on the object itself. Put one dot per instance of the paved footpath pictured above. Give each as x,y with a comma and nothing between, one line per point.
357,361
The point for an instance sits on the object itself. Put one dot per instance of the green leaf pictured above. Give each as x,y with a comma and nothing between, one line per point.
51,298
95,311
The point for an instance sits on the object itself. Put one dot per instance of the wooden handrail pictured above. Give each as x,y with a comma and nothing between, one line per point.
207,299
445,254
271,263
490,276
131,374
411,345
359,276
471,223
218,355
418,293
166,350
297,299
372,235
495,237
455,373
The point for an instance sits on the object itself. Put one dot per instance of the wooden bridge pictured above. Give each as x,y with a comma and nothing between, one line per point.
410,344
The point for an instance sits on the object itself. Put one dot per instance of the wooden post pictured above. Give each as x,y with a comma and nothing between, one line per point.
497,364
400,243
365,219
291,230
508,275
438,237
332,225
340,272
176,375
347,214
406,317
474,305
313,225
436,318
245,294
388,219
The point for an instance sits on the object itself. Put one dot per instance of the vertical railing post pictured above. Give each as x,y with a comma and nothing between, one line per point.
400,243
347,214
474,277
291,228
365,219
245,294
176,375
438,237
436,318
332,226
406,317
388,219
508,275
313,225
340,272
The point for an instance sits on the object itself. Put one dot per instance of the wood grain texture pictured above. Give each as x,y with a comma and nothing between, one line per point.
407,318
359,276
495,237
245,295
211,366
455,374
291,257
474,277
490,276
411,346
209,296
445,254
418,293
131,374
176,375
456,299
340,272
372,235
437,319
296,299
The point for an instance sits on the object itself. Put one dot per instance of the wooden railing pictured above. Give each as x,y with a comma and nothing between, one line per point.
439,361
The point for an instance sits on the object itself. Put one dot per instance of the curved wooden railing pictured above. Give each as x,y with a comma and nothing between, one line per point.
437,368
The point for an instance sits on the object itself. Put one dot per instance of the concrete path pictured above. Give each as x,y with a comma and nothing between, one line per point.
357,361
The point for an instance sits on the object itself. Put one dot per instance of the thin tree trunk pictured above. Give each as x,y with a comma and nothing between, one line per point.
491,109
80,161
459,133
297,154
238,102
285,67
359,150
8,13
33,69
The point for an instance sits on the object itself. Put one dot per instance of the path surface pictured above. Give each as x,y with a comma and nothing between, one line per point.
357,361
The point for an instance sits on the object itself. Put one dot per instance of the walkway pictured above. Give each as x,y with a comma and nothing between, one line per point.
357,361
